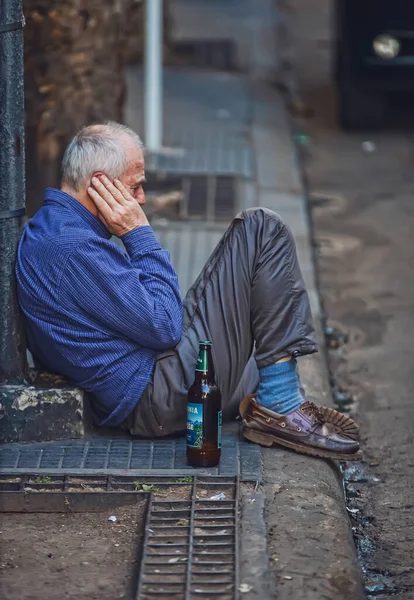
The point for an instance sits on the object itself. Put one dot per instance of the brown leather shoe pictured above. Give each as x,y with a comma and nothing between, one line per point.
310,430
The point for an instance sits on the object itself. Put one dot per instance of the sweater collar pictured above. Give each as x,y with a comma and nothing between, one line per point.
55,196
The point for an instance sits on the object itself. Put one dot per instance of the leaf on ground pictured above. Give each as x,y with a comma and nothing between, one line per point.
182,522
149,488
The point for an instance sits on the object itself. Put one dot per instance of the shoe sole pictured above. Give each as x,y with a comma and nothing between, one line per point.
263,439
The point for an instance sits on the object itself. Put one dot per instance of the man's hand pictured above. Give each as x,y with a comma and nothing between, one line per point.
117,209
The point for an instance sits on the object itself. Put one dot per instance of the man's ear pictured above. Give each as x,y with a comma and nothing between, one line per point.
98,174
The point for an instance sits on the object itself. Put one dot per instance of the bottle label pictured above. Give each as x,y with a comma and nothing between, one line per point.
194,425
202,361
219,424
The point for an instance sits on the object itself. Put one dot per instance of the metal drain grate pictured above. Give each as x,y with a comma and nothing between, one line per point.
125,456
213,54
224,194
211,198
30,492
205,197
191,547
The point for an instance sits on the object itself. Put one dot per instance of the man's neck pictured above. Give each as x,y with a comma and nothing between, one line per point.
82,197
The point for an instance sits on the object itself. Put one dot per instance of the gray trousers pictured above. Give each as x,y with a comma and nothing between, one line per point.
250,301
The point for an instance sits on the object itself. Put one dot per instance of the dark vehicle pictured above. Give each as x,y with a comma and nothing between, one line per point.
374,55
204,413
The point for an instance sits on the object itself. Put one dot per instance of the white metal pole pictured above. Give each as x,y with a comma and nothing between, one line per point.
153,75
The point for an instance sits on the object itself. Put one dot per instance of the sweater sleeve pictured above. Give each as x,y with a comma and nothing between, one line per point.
135,296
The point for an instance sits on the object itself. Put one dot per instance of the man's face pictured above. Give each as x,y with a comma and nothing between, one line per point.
134,176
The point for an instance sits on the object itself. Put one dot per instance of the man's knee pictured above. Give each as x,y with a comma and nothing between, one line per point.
266,224
259,214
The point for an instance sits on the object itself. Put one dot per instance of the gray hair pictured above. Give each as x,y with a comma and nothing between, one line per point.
97,148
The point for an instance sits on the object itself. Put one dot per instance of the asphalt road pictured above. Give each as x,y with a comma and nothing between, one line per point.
363,217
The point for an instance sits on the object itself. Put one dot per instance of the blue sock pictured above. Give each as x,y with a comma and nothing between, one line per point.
279,387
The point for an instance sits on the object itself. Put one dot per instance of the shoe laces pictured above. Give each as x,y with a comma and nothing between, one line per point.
314,412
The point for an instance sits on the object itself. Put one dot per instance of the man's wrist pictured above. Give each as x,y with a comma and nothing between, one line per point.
140,241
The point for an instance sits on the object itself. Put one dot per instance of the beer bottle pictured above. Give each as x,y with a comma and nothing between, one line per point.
204,414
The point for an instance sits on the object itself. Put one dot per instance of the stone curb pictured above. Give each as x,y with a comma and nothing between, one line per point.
34,413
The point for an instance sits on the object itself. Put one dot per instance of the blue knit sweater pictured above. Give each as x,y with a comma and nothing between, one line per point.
92,312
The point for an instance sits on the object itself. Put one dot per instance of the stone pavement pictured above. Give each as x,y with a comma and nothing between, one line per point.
236,124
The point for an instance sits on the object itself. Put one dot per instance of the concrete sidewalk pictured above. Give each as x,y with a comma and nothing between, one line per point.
236,124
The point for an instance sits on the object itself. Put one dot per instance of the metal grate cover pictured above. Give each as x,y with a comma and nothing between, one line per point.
191,546
125,456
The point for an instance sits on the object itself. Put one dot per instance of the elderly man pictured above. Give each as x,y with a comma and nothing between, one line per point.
112,321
